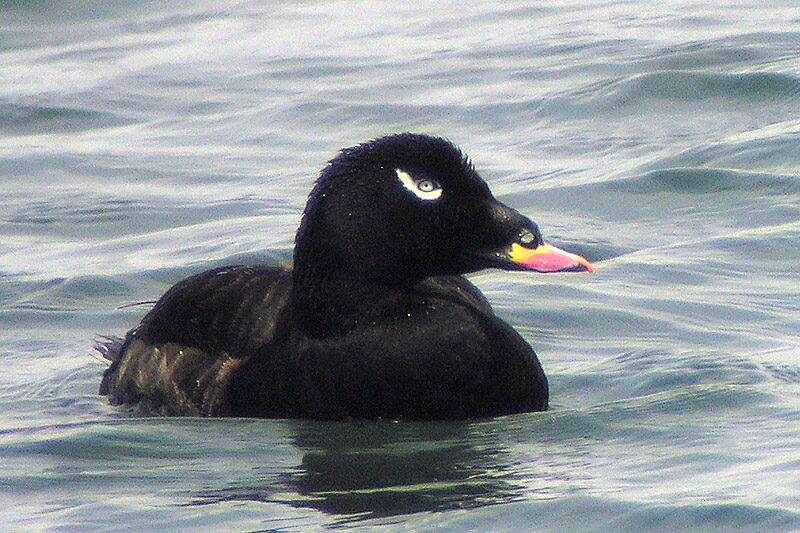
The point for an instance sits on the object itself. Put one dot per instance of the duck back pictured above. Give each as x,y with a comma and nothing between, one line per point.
178,361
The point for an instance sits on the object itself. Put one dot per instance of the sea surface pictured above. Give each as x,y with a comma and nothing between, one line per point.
142,142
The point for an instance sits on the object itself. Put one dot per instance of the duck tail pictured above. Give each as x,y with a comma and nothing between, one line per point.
110,348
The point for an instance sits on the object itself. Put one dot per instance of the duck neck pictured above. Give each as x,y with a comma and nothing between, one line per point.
331,299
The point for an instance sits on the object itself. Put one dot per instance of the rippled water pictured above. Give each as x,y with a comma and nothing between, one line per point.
143,143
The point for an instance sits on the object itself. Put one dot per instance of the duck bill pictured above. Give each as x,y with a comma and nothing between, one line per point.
546,259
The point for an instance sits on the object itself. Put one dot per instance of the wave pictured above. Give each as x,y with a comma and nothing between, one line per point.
687,86
703,181
18,119
770,149
679,91
592,513
676,180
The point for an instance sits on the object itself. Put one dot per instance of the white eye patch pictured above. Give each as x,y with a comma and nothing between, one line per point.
422,189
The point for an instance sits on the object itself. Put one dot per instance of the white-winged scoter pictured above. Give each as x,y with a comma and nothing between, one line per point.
375,320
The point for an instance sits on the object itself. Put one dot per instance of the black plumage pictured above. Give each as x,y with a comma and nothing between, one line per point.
375,320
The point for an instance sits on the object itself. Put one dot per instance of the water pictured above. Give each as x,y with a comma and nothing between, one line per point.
142,143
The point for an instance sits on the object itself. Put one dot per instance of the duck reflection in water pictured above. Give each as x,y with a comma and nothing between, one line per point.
374,469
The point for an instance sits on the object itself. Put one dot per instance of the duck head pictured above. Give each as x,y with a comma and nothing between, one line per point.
404,207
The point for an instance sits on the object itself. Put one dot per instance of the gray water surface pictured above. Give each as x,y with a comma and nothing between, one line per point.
144,142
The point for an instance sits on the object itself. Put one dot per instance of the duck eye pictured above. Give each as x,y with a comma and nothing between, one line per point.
427,185
425,189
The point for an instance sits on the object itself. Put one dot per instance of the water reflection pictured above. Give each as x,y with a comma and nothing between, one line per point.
382,469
